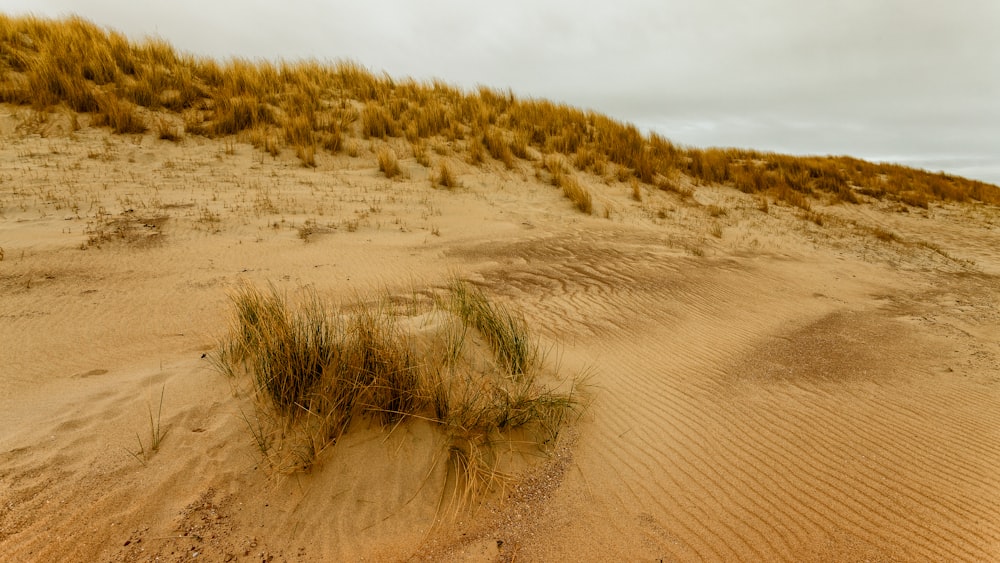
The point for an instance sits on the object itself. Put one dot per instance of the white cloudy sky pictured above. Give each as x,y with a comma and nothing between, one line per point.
912,81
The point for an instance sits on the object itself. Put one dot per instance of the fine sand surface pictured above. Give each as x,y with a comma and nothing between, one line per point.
762,387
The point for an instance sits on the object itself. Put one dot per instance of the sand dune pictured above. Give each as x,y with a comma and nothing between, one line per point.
763,387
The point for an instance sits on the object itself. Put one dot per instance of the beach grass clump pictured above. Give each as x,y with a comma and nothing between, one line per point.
120,115
165,130
481,406
421,154
636,190
284,349
306,155
445,177
885,235
575,192
300,131
504,330
560,177
388,163
314,370
476,151
498,146
556,168
377,122
379,365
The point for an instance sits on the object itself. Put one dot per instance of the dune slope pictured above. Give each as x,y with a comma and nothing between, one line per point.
766,384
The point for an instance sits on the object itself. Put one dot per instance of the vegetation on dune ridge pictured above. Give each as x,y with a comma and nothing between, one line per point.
310,107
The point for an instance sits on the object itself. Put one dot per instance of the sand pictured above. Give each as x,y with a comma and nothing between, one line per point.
763,387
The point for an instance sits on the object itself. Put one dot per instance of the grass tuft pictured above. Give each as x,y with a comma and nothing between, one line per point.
166,131
504,330
388,163
314,372
377,122
885,235
576,193
120,115
420,153
156,434
445,177
636,190
306,155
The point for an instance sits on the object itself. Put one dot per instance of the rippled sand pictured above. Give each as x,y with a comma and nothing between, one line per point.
764,388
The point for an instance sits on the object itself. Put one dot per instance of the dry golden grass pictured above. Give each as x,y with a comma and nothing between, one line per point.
554,165
445,177
167,131
74,64
314,371
477,152
388,164
120,115
576,193
420,153
636,190
377,122
306,154
885,235
498,146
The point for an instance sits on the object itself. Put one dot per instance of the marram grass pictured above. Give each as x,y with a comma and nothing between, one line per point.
309,107
315,371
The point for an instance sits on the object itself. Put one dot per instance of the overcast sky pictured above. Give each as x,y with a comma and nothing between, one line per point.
911,81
